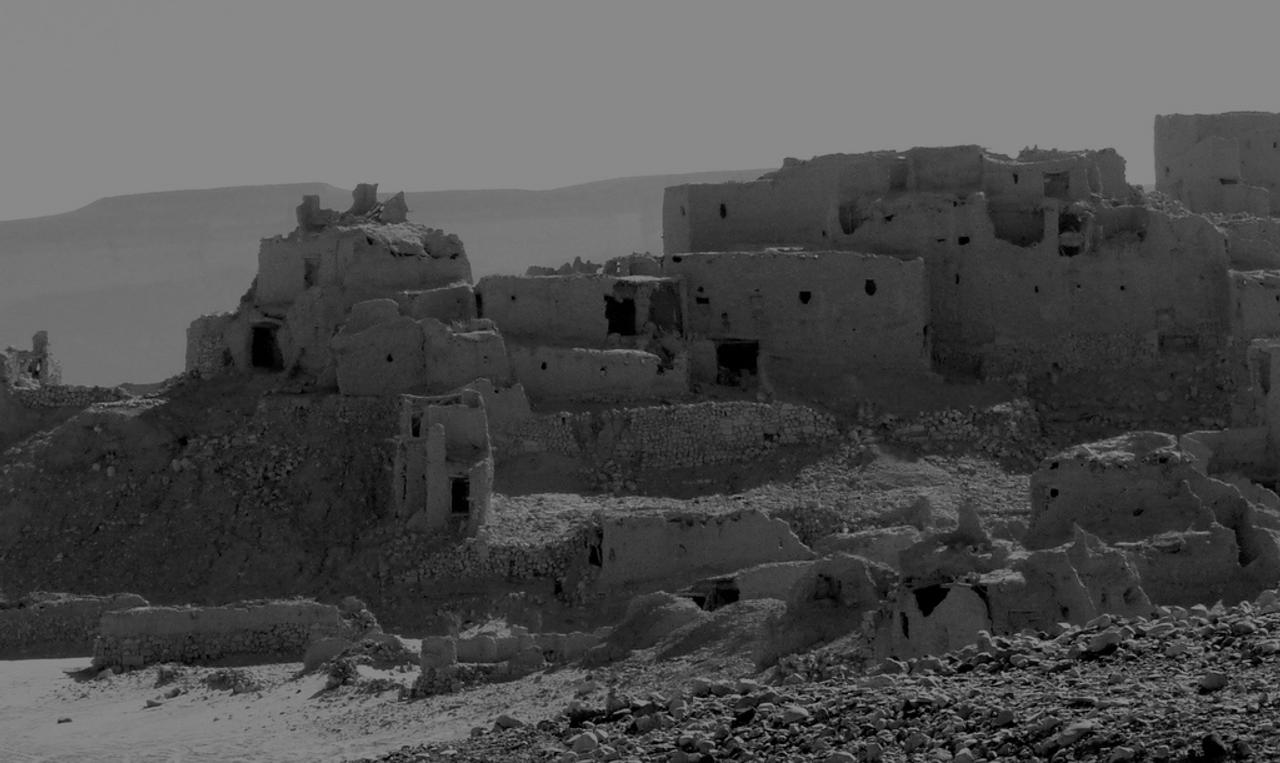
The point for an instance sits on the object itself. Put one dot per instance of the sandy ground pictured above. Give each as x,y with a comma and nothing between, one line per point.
291,719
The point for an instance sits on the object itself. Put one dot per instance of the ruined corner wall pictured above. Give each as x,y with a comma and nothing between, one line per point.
57,625
841,311
400,354
671,436
142,636
1226,162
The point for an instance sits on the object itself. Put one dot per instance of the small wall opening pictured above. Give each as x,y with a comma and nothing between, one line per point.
1057,185
850,217
724,211
722,593
621,315
737,362
1228,181
415,425
805,297
929,597
869,286
1070,234
264,348
459,496
1019,225
479,305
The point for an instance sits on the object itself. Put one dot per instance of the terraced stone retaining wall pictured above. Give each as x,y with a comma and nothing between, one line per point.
49,625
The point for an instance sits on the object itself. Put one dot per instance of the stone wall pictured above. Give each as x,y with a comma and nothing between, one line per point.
669,436
56,625
208,350
67,396
265,630
450,662
562,374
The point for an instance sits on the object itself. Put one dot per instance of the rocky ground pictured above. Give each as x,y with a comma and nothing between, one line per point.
1190,685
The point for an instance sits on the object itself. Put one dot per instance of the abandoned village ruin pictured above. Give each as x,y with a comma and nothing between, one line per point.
369,419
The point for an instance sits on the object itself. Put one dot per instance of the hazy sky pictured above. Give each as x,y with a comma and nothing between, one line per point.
103,97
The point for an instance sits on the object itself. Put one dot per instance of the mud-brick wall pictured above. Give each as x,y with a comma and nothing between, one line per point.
57,625
667,436
263,630
207,350
66,396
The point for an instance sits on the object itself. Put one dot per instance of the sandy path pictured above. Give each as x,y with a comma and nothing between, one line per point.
290,720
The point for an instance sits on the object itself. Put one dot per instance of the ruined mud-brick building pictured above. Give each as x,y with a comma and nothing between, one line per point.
368,305
1043,263
1226,163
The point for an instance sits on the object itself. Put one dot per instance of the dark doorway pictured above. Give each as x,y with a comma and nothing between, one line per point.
737,362
264,350
621,315
460,495
1057,185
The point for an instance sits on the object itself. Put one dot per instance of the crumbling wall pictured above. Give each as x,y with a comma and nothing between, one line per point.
1226,162
673,546
842,311
450,662
670,436
557,373
272,630
56,625
820,203
402,354
1255,304
583,310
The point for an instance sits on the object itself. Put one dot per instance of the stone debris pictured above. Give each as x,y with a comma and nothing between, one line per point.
1029,696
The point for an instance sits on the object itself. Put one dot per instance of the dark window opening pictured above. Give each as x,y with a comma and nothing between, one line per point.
1037,290
724,212
621,315
665,311
724,592
824,234
678,259
682,212
736,362
1057,185
1070,234
544,365
850,219
1228,181
1017,225
309,268
415,425
265,349
888,218
929,597
390,359
906,628
479,305
460,495
957,279
1015,178
963,241
702,300
805,296
826,587
869,286
1053,492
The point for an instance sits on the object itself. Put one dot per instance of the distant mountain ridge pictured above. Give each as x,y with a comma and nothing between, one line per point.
117,281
